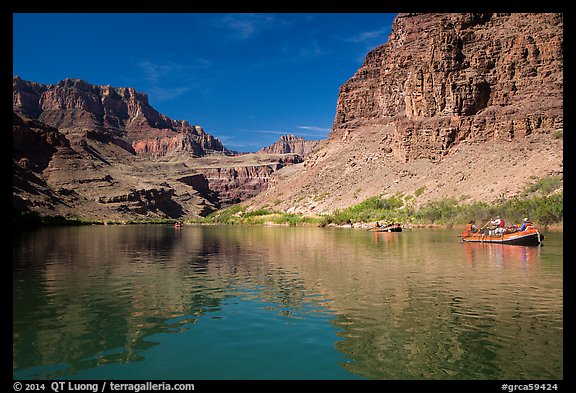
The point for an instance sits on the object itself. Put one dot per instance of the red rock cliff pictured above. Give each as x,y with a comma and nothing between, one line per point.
443,78
76,105
238,182
463,106
291,144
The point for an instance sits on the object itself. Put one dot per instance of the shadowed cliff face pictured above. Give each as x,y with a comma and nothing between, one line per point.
104,153
467,106
35,142
96,174
96,177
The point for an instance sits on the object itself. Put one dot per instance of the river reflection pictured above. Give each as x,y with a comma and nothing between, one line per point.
257,302
522,257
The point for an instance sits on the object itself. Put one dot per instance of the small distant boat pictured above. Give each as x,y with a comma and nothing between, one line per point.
178,225
388,228
528,237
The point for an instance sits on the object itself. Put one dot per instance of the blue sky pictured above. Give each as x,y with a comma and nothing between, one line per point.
245,78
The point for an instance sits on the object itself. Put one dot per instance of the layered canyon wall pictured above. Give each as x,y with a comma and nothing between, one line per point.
102,152
291,144
445,78
75,106
463,106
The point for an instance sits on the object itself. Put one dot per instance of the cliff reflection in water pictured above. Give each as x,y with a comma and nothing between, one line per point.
406,306
91,296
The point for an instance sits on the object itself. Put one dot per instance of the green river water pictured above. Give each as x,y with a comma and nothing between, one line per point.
230,302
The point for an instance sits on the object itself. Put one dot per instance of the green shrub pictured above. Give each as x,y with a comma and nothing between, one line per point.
559,134
419,191
545,185
372,209
255,213
442,211
542,210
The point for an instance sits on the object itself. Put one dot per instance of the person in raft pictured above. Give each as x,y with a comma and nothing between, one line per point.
471,227
526,223
497,226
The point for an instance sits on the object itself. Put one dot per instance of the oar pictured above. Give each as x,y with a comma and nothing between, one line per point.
484,226
479,230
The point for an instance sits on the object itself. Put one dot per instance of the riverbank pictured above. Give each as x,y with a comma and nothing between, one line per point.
557,227
26,218
545,212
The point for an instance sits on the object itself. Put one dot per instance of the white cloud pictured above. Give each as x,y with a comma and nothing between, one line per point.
231,142
380,35
317,132
243,144
311,49
166,93
245,26
153,71
272,132
160,75
315,128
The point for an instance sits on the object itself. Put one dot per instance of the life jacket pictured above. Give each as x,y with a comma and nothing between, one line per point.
526,225
469,227
501,223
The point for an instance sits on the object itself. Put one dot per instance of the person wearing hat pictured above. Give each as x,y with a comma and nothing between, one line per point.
497,226
526,223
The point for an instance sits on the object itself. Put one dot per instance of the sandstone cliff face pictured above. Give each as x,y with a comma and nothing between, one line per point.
34,143
74,105
34,146
291,144
238,181
96,174
95,178
235,185
444,78
144,201
103,152
467,106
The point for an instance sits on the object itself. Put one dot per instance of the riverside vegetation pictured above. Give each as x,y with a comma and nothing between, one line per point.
541,201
